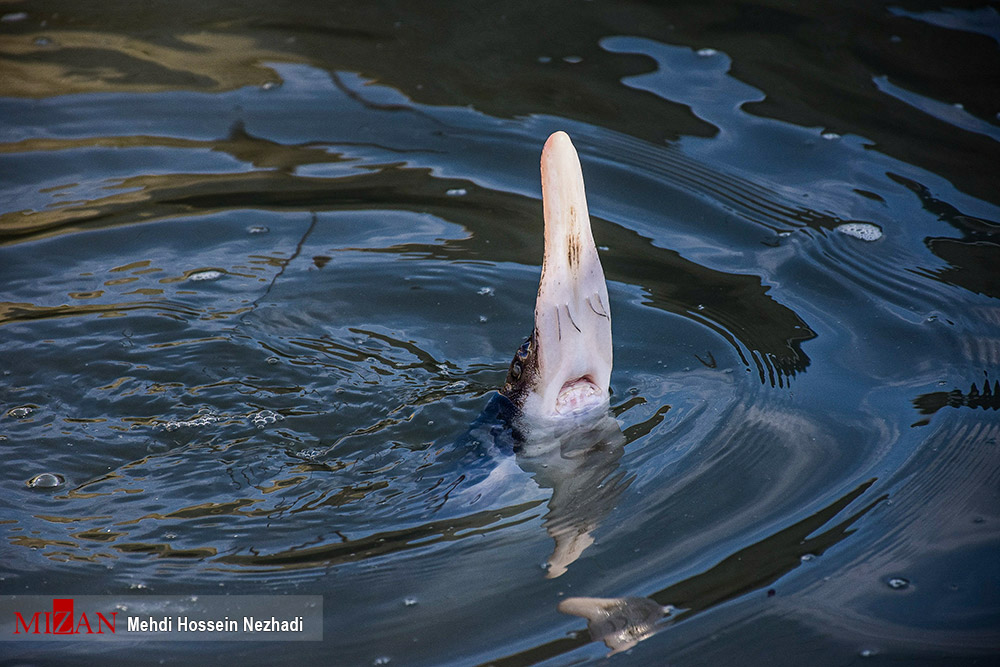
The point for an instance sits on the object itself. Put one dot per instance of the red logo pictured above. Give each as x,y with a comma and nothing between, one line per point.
62,621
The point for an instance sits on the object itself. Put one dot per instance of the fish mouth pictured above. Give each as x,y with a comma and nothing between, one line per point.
572,313
579,395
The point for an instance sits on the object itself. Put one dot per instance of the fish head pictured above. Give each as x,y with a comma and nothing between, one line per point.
564,368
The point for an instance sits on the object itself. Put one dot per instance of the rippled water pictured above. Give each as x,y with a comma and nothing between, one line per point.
264,264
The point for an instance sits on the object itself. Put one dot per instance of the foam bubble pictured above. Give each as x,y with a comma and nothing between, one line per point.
861,230
263,418
205,275
203,420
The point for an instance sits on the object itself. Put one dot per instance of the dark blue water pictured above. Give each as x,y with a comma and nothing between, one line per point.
263,265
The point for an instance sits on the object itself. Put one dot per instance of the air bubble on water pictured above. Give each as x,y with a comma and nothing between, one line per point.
573,60
382,660
46,480
861,230
409,602
805,558
486,291
121,607
706,53
273,360
257,229
271,85
43,41
201,276
203,420
898,583
457,192
138,586
545,60
483,318
603,248
264,417
20,412
14,17
867,653
830,136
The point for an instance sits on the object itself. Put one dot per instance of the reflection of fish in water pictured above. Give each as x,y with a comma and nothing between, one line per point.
580,465
578,460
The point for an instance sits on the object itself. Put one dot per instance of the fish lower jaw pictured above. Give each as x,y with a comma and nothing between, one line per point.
580,395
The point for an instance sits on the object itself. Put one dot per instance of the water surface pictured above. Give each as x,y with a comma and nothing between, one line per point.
263,267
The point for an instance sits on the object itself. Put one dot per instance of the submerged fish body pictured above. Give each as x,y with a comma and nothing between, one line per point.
564,368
